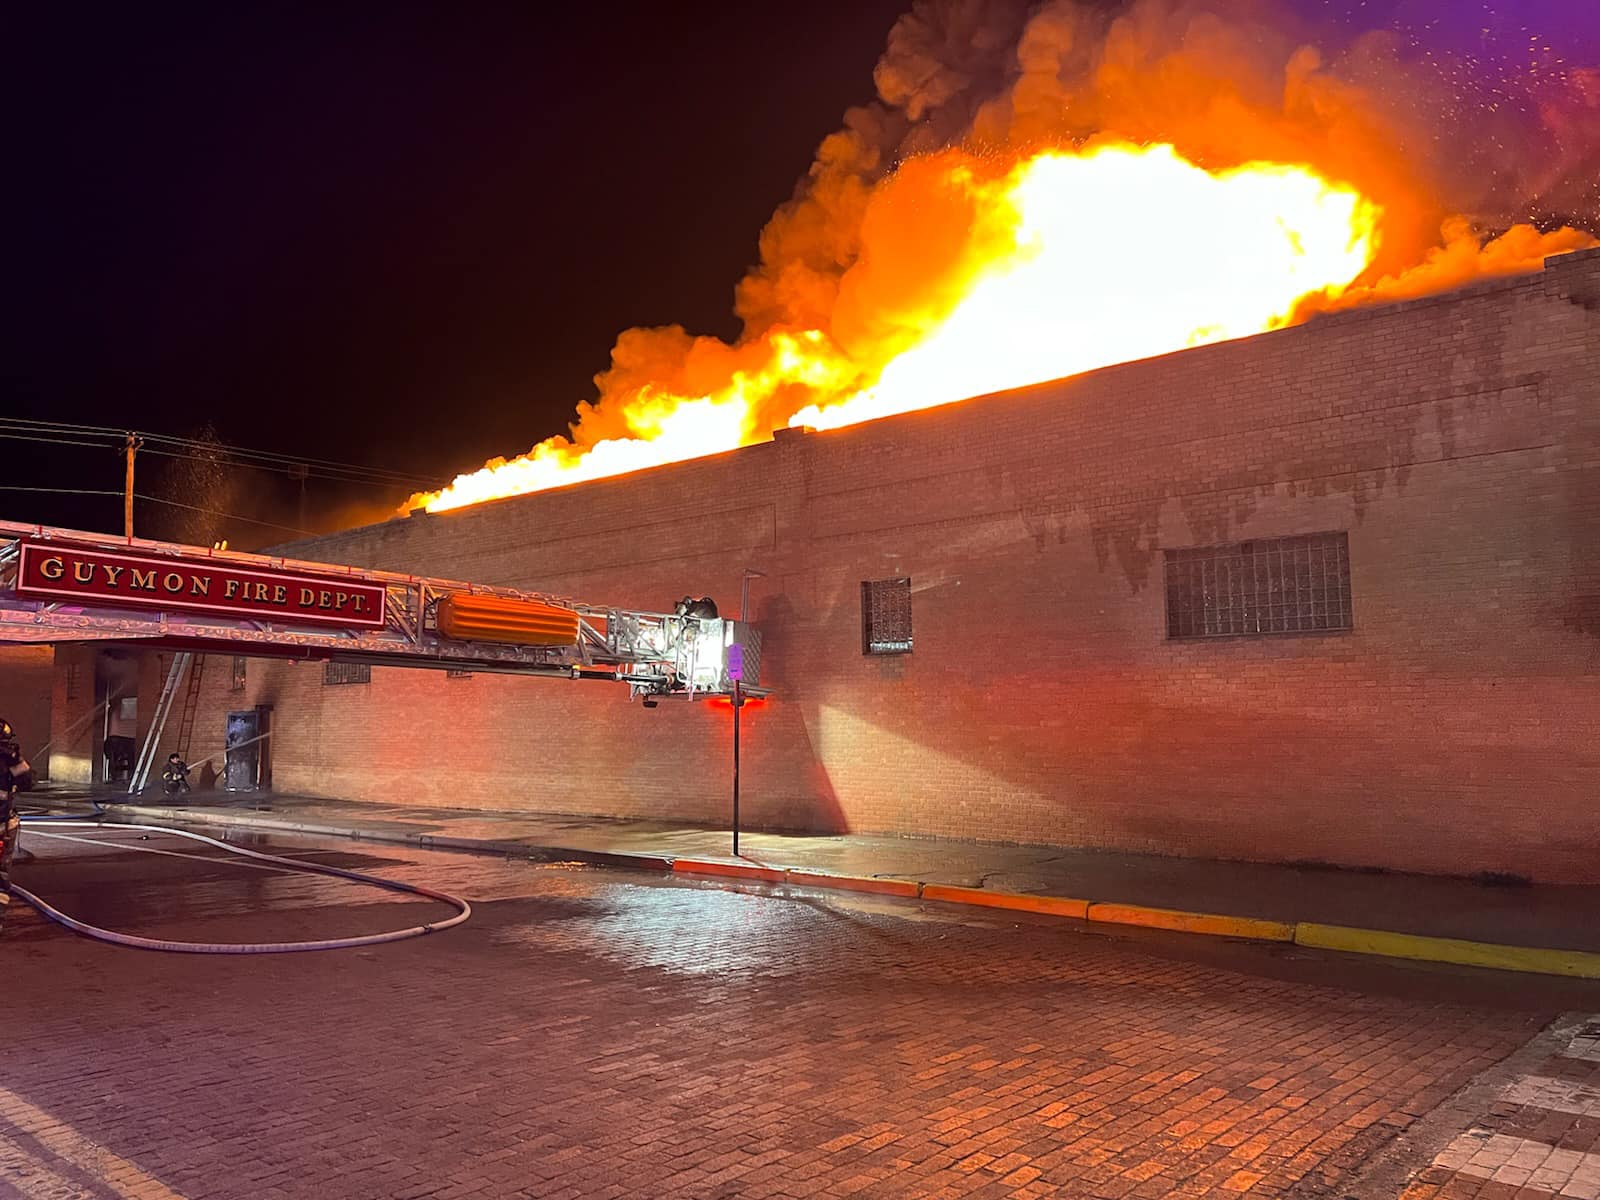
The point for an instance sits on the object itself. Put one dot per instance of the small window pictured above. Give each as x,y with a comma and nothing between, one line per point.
73,676
238,672
886,616
336,673
1274,585
457,673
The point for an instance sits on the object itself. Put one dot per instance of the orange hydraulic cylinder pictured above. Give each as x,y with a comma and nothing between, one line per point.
503,619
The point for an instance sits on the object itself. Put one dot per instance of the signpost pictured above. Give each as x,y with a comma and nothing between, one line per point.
736,673
62,572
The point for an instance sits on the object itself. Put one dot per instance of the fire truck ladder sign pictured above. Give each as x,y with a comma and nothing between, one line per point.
61,585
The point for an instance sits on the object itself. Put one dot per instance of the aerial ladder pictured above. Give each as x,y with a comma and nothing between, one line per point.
69,586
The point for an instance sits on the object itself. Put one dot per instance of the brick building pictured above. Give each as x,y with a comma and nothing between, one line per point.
1327,594
25,683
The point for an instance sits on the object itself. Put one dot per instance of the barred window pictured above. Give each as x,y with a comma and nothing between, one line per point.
334,673
1274,585
73,676
238,672
886,616
457,673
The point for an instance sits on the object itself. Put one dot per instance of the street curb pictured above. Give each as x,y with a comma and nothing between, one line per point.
694,866
1216,925
904,888
1576,964
423,841
1051,906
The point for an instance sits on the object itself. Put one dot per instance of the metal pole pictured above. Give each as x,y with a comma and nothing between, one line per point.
738,703
738,700
132,448
105,731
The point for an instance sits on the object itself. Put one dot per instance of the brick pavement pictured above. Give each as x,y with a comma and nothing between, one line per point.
591,1035
1541,1139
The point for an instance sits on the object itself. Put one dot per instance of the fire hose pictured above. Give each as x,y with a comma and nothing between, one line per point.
144,943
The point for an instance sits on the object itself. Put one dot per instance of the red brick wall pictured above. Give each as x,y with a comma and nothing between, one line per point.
1456,439
25,681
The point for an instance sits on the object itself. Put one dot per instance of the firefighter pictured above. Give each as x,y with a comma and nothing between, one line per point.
690,607
15,775
175,776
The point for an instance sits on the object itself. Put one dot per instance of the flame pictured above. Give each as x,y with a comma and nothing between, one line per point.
1036,290
1170,177
662,427
1223,255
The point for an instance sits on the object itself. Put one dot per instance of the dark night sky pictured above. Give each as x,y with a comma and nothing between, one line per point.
399,234
403,234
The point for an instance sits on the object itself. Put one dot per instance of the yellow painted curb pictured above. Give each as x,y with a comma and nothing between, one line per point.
1579,964
854,883
694,866
1192,922
1055,906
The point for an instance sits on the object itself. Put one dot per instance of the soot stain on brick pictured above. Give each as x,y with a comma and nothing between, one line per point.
1583,615
1131,536
1445,416
1218,506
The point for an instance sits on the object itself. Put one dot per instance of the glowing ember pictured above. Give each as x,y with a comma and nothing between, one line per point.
1172,176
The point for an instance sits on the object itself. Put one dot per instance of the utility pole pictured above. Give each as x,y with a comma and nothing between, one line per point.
132,447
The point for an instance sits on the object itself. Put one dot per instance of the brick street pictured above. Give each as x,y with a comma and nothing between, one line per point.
598,1034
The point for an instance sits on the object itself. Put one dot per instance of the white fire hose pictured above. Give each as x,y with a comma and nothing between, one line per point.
144,943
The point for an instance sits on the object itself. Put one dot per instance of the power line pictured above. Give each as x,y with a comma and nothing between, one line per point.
215,512
286,459
10,487
74,434
209,452
22,437
336,475
279,469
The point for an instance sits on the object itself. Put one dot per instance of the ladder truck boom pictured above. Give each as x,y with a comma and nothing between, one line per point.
63,585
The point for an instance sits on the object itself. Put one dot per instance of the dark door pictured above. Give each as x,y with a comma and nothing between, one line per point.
242,740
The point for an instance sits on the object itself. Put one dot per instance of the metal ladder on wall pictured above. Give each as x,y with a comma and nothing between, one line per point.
158,722
191,705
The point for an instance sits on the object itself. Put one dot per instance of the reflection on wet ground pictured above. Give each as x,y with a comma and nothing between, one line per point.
594,1032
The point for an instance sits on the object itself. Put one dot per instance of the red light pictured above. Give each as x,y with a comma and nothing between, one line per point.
727,702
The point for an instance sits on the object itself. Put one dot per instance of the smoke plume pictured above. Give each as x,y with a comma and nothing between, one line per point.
1471,170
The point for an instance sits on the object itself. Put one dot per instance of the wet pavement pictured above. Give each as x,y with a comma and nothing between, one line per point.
1548,916
596,1033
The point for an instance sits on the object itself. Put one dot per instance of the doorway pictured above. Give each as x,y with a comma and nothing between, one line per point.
116,692
247,762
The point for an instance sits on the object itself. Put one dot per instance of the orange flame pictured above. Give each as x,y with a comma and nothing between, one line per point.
959,274
1227,254
1035,291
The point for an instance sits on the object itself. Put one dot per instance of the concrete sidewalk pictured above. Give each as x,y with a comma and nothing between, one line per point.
1541,917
